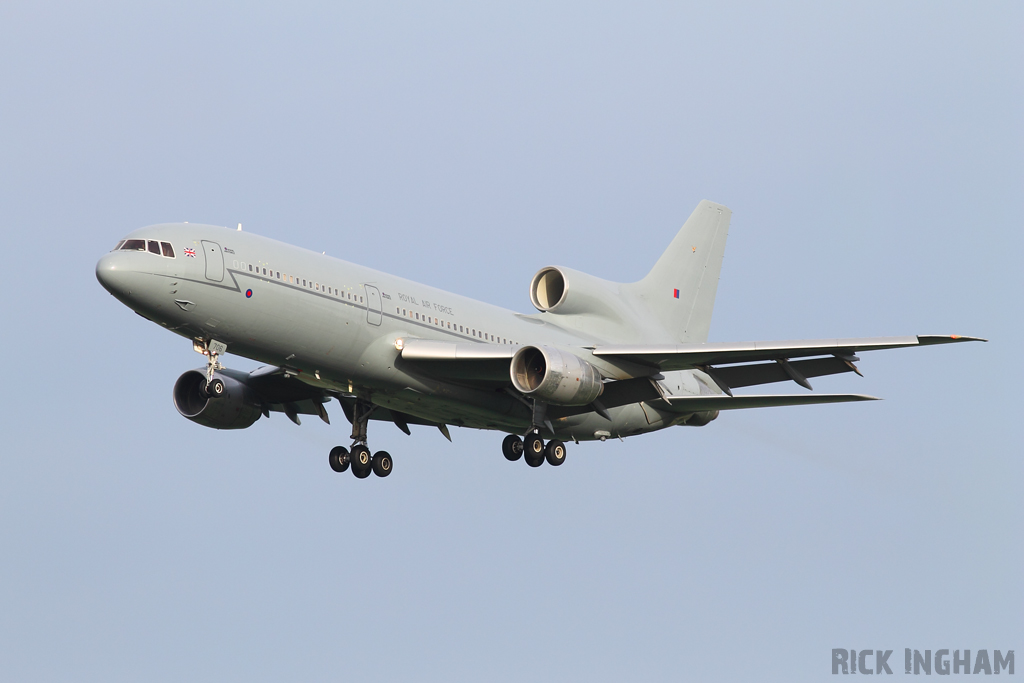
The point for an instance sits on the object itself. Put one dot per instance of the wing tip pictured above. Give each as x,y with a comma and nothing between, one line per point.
928,339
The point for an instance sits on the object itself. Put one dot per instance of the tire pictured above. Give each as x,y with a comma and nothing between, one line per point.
362,462
512,447
215,389
533,450
554,452
339,458
382,464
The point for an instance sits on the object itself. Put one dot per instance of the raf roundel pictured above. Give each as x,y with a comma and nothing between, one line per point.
248,294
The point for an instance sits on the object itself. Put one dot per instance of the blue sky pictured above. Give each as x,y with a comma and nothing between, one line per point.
872,156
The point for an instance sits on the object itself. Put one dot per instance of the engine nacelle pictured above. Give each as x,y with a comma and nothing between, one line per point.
238,408
702,418
564,291
555,376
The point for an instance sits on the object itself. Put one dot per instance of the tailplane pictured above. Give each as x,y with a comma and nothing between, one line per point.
680,289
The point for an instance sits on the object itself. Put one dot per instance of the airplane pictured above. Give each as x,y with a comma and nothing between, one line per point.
599,359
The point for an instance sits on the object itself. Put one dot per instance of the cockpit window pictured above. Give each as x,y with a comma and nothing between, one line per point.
118,246
168,249
134,245
154,247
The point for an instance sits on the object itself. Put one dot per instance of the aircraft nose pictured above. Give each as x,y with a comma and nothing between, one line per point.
113,274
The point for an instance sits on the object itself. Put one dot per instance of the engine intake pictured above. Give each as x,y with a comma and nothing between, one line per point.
555,376
237,408
547,290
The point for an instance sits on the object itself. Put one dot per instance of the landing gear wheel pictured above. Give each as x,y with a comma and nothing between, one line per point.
362,463
214,388
554,452
339,458
512,447
533,450
382,464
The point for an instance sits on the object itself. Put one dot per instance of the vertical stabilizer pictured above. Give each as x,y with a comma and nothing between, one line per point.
680,289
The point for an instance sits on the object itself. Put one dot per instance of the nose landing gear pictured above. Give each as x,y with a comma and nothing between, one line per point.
212,349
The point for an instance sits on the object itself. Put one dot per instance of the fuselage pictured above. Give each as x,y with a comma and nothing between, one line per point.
336,323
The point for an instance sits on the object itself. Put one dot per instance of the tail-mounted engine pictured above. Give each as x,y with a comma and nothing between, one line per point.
237,407
555,376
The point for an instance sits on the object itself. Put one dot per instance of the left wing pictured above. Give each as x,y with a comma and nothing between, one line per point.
473,363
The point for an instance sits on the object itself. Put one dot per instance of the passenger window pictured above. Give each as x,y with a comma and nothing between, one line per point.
417,316
250,267
264,271
303,283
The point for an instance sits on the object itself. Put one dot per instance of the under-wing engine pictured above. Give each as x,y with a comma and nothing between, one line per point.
555,376
237,408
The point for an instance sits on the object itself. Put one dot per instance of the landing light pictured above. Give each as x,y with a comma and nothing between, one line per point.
399,344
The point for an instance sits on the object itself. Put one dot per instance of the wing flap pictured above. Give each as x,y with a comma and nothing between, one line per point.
736,376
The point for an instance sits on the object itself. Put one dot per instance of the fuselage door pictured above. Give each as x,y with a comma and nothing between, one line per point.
374,315
214,261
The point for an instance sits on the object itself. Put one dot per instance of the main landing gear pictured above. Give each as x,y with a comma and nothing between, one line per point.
359,459
533,450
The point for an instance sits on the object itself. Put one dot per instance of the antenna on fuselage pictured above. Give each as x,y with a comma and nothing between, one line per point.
239,227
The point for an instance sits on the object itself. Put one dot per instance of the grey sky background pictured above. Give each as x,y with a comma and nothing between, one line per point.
873,156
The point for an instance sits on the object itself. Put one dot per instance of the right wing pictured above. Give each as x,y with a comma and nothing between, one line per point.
741,364
687,356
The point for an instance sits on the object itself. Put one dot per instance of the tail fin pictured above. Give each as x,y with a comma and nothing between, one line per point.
680,289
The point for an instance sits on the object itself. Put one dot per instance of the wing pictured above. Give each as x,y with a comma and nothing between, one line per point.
281,392
738,365
475,364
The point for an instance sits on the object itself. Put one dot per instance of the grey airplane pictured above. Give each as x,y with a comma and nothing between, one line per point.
599,360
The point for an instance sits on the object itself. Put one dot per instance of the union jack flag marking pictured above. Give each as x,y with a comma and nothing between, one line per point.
190,252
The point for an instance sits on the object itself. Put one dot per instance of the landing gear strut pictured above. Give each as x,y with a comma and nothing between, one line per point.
360,459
